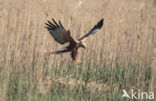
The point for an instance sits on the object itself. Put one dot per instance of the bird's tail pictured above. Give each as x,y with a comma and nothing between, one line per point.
60,51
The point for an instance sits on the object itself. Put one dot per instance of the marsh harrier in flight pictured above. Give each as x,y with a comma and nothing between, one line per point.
62,36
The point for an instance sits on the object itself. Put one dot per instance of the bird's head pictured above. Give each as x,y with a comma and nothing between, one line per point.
82,44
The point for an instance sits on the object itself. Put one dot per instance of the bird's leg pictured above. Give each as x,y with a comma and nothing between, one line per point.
78,62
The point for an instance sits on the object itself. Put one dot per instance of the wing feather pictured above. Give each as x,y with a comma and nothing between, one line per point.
51,24
95,29
58,32
48,25
60,24
55,23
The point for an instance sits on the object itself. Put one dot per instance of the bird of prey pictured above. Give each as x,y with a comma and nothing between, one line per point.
62,36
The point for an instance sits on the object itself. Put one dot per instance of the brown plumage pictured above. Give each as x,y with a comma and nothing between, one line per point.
62,36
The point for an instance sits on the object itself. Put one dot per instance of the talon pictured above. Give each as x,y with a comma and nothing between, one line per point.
79,62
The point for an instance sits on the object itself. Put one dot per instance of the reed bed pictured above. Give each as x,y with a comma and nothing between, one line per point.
121,55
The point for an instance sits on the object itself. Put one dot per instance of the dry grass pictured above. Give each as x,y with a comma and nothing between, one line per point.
127,37
127,34
75,83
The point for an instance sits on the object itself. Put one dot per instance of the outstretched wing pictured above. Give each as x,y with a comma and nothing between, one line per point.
93,30
58,32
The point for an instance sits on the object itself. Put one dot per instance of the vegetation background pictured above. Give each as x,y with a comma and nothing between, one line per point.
122,55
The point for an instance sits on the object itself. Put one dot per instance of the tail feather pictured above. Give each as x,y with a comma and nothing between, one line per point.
60,51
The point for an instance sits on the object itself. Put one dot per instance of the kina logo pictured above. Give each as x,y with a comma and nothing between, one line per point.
137,94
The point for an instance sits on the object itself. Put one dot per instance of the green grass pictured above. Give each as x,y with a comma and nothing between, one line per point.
24,84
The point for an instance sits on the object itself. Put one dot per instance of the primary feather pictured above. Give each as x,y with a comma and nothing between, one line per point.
94,29
58,32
